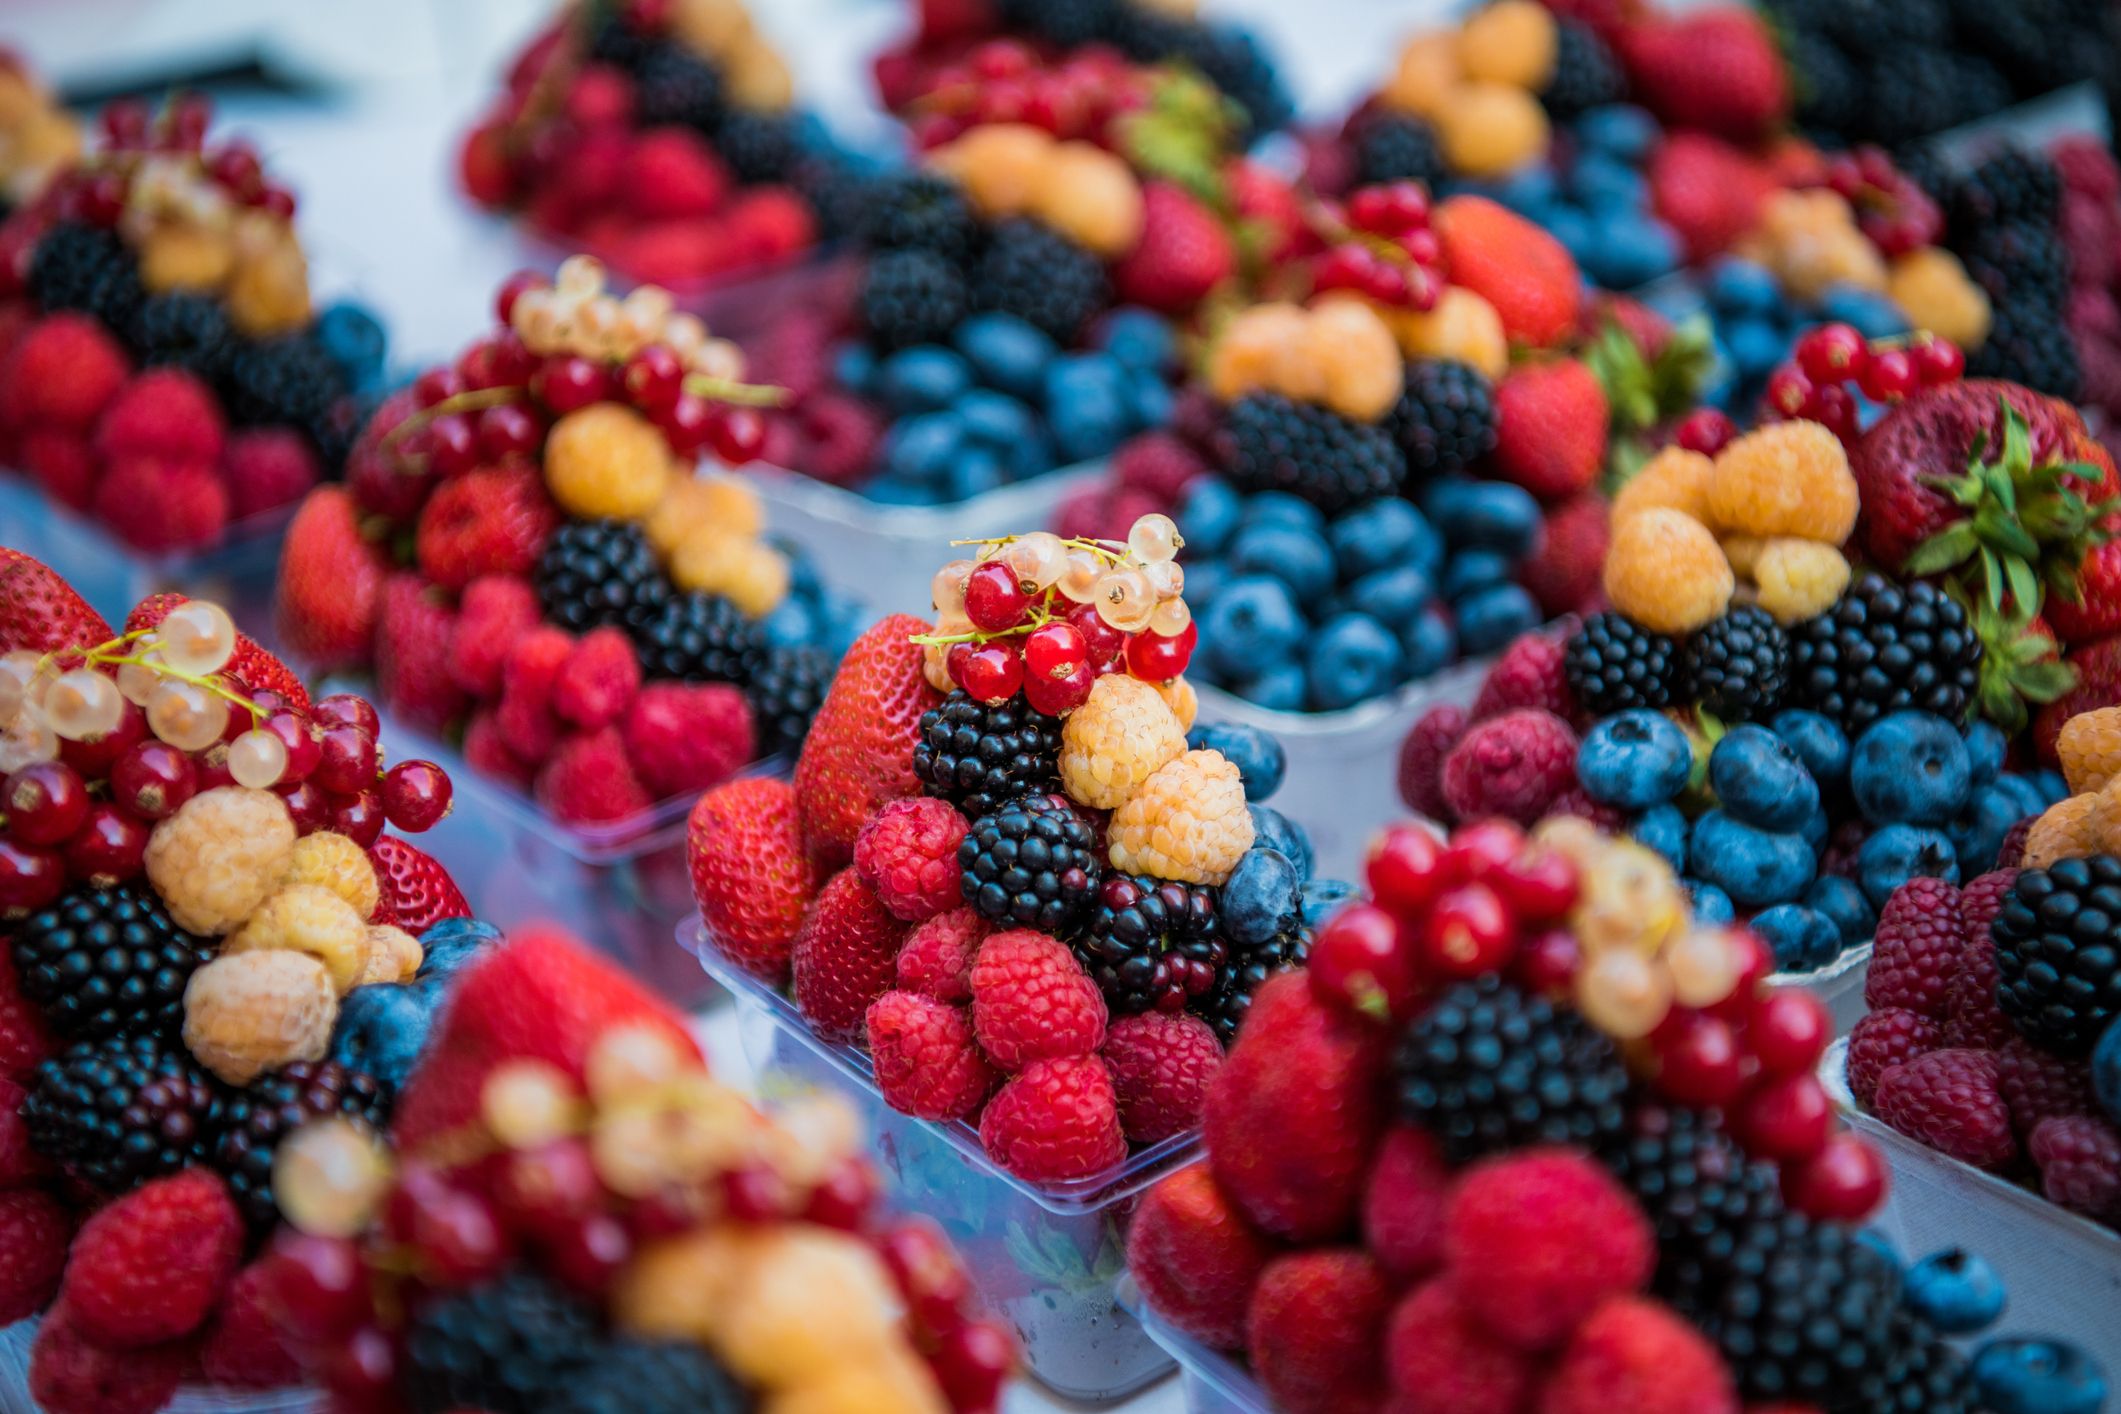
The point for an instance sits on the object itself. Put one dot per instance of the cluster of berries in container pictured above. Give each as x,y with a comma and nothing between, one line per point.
165,372
524,550
660,135
41,135
1528,1134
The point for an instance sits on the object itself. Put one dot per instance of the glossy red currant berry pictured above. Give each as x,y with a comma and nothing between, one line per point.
359,817
1705,430
94,756
304,743
1785,1117
1362,962
436,385
1889,376
972,1362
452,444
687,423
1054,650
1405,870
589,1253
653,377
346,760
566,382
1478,850
1468,932
508,430
1539,885
845,1197
1699,1061
1788,390
735,435
1101,641
346,709
1155,657
416,795
1938,361
992,672
1055,696
1789,1031
44,803
995,599
308,807
1832,353
153,779
109,848
1844,1182
1546,963
318,1286
29,878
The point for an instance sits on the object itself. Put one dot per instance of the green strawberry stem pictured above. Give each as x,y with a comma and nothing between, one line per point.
2019,665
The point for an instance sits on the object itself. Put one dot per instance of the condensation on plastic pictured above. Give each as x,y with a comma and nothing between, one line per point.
1839,984
1211,1381
2063,1271
17,1339
1046,1257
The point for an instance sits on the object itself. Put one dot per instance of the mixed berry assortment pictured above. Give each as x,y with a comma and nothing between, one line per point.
523,550
37,136
164,369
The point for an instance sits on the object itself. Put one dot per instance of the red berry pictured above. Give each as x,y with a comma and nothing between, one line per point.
995,599
347,709
544,1190
1103,642
1386,283
1787,392
1834,408
565,382
29,878
94,757
346,760
153,779
1054,650
1479,850
1889,376
1705,430
1832,353
1785,1117
436,385
359,817
1699,1059
1758,962
737,435
508,430
236,167
993,672
1405,871
845,1198
184,121
1001,59
927,1273
456,1236
213,765
1054,696
589,1252
1153,657
1363,962
44,802
109,848
100,199
125,121
1546,962
1345,267
1938,361
1844,1182
512,289
361,1370
416,795
1422,247
686,424
1389,209
304,743
1789,1031
972,1362
319,1286
654,377
1469,932
1539,885
307,805
756,1194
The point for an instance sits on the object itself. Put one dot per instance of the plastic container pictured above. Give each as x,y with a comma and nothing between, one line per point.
1211,1381
17,1339
2063,1271
1839,985
1046,1257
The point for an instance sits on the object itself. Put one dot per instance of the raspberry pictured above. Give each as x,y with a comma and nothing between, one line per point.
1563,570
1195,1257
20,1161
750,876
841,438
219,856
908,854
153,503
1950,1101
266,468
1162,1064
1675,479
683,738
412,664
34,1231
71,1374
1403,1206
1513,765
61,373
2089,747
589,781
2079,1158
1537,1239
1421,758
165,412
1159,464
492,613
24,1042
1577,801
1315,1327
487,751
333,862
843,956
62,464
936,960
606,460
1032,1001
242,1349
1116,741
1638,1355
1054,1120
927,1062
2011,853
1883,1039
1799,579
1982,899
1915,950
596,684
1666,572
2038,1086
2065,830
1977,1022
1787,478
247,1013
1187,822
1528,674
151,1266
307,919
525,718
1438,1360
490,520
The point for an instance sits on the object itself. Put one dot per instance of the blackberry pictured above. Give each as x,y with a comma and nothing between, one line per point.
1613,663
1803,1312
88,269
1392,147
1242,974
1040,276
699,637
675,86
250,1123
977,755
1585,72
1885,648
119,1111
1032,864
785,691
921,211
1444,420
183,329
1923,1373
504,1347
597,572
1229,58
1868,29
2019,262
2011,184
286,381
838,192
1828,85
1738,667
1915,91
911,297
1269,443
102,962
2025,346
759,147
613,41
2058,953
1066,23
1491,1067
1153,944
649,1377
334,431
1698,1190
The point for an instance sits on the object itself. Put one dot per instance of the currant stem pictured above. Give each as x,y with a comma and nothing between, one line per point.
727,390
472,400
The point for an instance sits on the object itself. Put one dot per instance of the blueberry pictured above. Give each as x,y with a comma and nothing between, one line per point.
1281,508
2051,785
1089,423
976,471
1252,627
919,450
1605,185
1874,316
1756,347
1755,867
1978,834
1620,130
1576,231
1744,287
995,419
1489,618
1295,557
1208,519
1273,830
1431,641
1257,755
1393,596
1898,853
854,366
382,1029
891,489
352,339
1664,829
1761,780
450,944
1819,743
1281,688
1640,249
1006,352
1324,897
1985,745
2023,1375
1634,759
2023,789
2106,1070
1151,401
1204,581
1352,659
1841,900
1469,570
1711,904
1031,455
1529,189
1139,338
1260,899
1798,936
1910,767
924,379
1956,1291
1374,537
1483,515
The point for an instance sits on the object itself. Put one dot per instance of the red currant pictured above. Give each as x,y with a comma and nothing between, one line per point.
276,201
686,425
1834,408
236,167
1054,650
1546,963
125,122
1405,870
1539,885
347,709
756,1194
317,1285
1363,962
184,122
995,599
845,1197
153,779
993,672
1469,932
508,430
100,199
416,795
304,743
436,385
452,445
1788,390
1938,361
45,802
512,289
1699,1059
1844,1182
565,382
361,1371
1386,283
1786,1117
1057,696
1832,353
590,1252
359,817
972,1362
1705,430
1345,267
1756,961
346,760
1479,850
927,1273
1103,642
654,377
213,766
1389,208
1889,376
543,1190
1789,1031
109,848
736,435
307,806
94,756
29,878
1154,657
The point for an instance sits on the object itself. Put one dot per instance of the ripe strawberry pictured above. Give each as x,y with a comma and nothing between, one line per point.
328,595
2098,668
1184,252
1403,1206
1513,264
61,372
1564,569
1315,1330
672,172
842,959
1635,1354
154,503
1707,191
859,753
1550,426
151,1266
1196,1258
413,674
750,875
491,520
40,612
417,891
259,670
2096,611
1715,69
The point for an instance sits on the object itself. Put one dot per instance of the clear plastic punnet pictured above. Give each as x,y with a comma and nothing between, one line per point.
15,1343
1211,1381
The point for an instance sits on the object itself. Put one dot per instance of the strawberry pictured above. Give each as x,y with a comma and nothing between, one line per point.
1707,191
1184,252
1550,428
769,224
2098,670
1266,200
843,959
1514,265
1566,562
2096,611
750,875
40,612
1715,69
1315,1330
417,891
491,520
412,654
859,754
258,670
329,591
1196,1257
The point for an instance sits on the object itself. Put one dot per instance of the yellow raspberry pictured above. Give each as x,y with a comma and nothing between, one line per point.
1184,702
332,861
696,503
749,573
184,256
393,956
1799,578
2090,748
761,580
1511,41
220,856
1426,76
2102,823
1463,326
1666,572
2065,830
1116,740
1001,166
1187,822
1357,358
1487,129
268,291
1092,197
1675,478
313,920
890,1382
1245,357
1788,478
607,460
709,27
247,1013
1933,289
756,77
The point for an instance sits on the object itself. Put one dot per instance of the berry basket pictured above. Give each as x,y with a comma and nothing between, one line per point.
15,1341
1047,1257
2063,1271
1211,1382
1839,984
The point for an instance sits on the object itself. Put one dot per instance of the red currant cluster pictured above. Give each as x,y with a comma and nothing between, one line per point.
1006,81
1832,358
1705,430
1892,210
95,193
1379,244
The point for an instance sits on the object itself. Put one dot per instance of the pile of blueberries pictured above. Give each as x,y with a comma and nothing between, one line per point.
1301,613
1754,326
1251,907
1003,402
1806,831
1598,205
